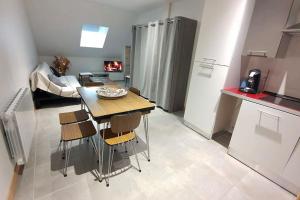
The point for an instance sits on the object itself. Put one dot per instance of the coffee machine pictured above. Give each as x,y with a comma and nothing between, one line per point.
251,84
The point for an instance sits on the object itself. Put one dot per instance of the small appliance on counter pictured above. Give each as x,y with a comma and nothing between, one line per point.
251,84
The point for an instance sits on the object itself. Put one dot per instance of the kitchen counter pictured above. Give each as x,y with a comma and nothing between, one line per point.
268,127
265,99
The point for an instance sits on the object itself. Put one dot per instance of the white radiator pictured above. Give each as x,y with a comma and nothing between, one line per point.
19,124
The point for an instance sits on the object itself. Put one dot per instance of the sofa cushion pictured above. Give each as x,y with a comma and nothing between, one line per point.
54,71
54,79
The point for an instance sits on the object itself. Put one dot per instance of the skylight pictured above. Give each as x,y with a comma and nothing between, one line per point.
93,36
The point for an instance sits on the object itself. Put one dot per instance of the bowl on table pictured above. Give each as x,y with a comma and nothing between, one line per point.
111,93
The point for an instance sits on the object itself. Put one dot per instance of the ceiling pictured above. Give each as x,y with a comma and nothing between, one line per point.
133,5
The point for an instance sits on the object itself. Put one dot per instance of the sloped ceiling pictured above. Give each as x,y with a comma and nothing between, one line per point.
56,26
133,5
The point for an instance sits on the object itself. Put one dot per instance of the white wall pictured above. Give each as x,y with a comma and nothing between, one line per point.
152,15
57,27
233,77
269,18
85,64
186,8
17,59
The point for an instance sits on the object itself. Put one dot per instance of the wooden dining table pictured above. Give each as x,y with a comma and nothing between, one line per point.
102,109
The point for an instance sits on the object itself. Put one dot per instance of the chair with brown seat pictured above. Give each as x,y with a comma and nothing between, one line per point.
121,132
73,117
72,132
135,91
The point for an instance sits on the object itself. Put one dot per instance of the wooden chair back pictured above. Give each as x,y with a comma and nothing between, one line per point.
135,91
125,122
91,84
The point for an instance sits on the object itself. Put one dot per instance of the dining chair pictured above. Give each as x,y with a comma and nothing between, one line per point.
72,132
121,131
73,117
145,118
135,91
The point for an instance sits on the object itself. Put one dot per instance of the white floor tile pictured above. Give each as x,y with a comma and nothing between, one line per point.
184,165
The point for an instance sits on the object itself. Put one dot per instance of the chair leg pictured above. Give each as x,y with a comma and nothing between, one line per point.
146,128
68,153
102,154
63,156
112,158
59,146
136,157
125,148
94,145
108,167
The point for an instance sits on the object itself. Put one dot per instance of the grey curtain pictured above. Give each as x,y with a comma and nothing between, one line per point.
152,60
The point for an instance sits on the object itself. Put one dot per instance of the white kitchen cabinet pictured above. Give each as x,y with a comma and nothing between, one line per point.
267,137
222,34
291,171
221,25
204,94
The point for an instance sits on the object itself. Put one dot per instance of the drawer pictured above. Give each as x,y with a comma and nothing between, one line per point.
265,135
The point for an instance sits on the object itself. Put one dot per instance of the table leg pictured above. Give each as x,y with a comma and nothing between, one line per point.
145,119
100,153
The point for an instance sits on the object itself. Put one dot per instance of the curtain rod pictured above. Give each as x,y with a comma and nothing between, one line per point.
171,20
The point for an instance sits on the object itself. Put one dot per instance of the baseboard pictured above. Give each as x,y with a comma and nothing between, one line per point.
14,181
274,177
194,128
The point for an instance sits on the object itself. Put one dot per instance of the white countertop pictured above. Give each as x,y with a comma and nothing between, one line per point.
257,98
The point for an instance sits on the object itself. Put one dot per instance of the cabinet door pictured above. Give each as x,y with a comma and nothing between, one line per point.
265,136
220,27
203,96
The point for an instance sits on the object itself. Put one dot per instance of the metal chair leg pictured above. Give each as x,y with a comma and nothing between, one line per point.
68,153
94,145
108,167
59,146
145,120
64,151
125,148
136,157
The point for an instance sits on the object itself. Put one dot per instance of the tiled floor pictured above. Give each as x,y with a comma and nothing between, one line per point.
184,165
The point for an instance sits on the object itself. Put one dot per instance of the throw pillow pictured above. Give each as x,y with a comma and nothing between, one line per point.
54,79
54,71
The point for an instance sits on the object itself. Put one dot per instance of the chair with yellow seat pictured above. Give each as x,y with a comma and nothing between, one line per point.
72,132
121,132
145,119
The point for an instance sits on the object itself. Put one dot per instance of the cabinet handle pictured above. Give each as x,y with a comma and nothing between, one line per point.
209,59
270,114
206,66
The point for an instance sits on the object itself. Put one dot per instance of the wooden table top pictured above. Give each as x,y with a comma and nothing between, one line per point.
105,108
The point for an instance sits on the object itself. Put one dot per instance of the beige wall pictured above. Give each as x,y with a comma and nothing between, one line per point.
269,18
57,24
186,8
17,59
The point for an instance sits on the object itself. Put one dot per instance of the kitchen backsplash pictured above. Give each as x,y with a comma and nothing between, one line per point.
283,77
